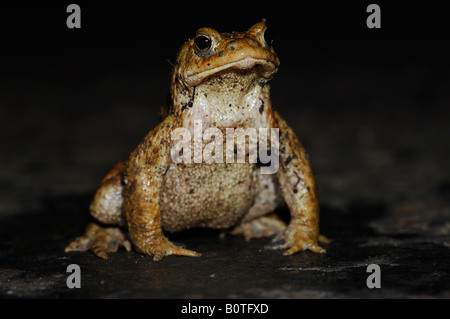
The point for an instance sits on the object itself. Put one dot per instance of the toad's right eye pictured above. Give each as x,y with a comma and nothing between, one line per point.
203,44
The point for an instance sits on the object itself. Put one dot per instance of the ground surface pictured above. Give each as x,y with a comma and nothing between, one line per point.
375,125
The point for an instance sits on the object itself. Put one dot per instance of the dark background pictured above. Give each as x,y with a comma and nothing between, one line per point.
370,106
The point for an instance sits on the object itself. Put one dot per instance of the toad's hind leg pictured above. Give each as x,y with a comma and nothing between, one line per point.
256,224
106,207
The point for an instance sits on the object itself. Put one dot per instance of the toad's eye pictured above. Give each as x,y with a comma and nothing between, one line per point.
203,44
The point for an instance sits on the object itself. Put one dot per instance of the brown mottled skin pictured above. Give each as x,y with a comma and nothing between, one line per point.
225,85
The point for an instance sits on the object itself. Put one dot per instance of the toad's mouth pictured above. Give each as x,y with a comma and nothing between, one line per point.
265,70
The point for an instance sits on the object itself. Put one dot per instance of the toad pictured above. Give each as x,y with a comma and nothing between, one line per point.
220,81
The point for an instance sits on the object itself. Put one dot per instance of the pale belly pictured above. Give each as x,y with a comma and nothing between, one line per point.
200,195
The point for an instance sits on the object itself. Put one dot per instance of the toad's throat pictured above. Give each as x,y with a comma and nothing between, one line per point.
228,100
233,97
232,81
265,70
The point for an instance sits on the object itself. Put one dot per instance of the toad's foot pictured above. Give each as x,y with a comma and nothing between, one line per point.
294,239
100,240
162,247
262,227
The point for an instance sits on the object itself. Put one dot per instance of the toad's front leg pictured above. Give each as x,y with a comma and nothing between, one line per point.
143,179
299,192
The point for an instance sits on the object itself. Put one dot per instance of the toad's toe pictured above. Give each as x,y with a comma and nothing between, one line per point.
100,240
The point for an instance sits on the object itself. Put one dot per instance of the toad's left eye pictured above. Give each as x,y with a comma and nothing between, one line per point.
203,44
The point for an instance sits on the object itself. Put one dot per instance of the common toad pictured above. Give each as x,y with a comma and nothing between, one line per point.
219,81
